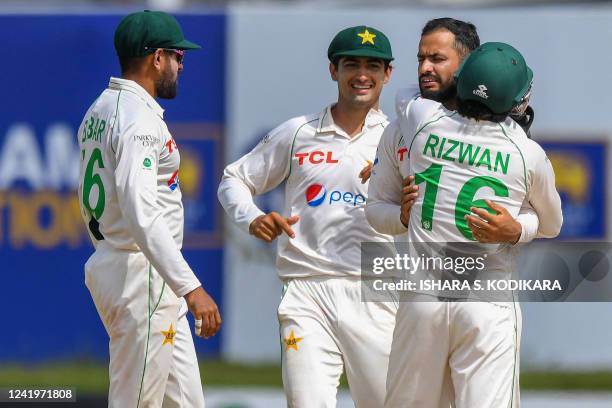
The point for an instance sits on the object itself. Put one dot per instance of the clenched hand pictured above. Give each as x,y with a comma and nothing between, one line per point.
366,172
499,227
204,310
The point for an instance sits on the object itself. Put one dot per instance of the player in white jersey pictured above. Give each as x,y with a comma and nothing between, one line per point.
131,201
444,44
459,159
324,325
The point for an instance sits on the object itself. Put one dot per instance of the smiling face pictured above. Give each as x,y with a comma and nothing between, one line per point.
360,80
438,60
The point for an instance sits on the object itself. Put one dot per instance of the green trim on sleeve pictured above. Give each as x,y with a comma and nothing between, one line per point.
115,121
425,125
293,143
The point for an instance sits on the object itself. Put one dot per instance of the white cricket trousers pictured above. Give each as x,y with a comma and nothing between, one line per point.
152,357
325,328
454,354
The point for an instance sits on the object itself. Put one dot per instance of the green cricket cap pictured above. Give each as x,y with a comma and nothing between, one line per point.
141,33
496,75
360,41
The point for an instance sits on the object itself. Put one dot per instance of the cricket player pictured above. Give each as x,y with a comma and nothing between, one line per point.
452,351
324,325
445,42
131,202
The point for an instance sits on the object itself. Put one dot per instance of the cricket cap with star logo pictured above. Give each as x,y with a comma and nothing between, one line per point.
496,75
360,41
141,33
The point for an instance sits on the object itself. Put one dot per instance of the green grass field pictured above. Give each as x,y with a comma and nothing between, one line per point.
92,378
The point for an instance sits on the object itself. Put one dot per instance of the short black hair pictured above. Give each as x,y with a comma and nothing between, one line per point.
466,36
479,111
128,64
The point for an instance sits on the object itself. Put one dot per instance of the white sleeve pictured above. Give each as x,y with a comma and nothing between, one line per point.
385,189
403,97
529,221
259,171
136,186
417,112
543,196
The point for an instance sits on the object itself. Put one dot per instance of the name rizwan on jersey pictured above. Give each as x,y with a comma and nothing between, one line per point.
461,152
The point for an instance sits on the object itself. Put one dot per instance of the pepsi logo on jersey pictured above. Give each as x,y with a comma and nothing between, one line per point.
316,157
173,181
316,194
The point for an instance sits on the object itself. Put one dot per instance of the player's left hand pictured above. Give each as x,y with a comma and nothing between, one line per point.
366,172
205,312
496,228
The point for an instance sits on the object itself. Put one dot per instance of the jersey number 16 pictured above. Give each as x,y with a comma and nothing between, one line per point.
465,199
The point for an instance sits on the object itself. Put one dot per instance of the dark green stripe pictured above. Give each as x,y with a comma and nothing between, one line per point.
116,118
280,333
424,126
293,143
158,300
515,352
144,369
324,115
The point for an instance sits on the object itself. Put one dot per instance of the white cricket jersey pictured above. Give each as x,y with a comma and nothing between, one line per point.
457,142
129,181
320,164
457,162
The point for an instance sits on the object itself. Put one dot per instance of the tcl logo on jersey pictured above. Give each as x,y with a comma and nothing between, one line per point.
401,152
316,194
316,157
171,145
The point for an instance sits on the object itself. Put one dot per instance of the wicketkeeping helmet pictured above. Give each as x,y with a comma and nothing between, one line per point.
496,75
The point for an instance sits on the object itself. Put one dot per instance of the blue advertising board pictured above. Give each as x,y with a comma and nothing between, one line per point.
582,181
54,69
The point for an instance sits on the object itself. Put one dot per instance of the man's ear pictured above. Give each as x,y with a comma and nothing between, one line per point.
157,59
333,72
388,73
